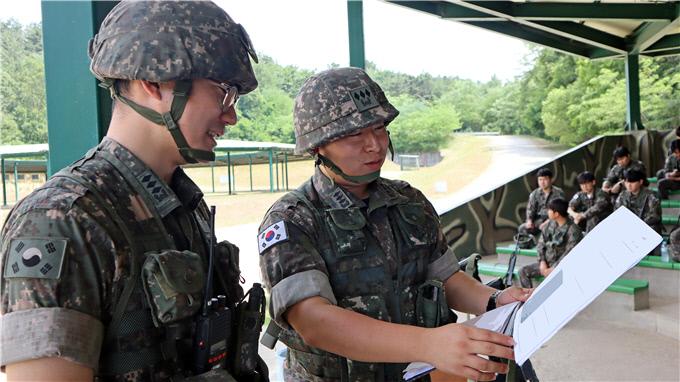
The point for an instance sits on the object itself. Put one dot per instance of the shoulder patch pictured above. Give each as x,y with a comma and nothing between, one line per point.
271,235
38,258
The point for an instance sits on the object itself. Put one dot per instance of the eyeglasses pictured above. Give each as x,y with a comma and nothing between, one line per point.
230,95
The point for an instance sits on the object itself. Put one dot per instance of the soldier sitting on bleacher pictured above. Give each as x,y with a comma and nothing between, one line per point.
537,211
669,177
613,183
558,238
640,200
674,245
589,206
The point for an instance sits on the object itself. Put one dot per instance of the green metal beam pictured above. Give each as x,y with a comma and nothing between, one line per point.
668,42
567,30
355,23
661,53
581,11
536,36
649,33
76,114
633,120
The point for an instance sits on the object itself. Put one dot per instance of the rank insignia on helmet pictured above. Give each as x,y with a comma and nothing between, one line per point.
35,258
271,235
364,98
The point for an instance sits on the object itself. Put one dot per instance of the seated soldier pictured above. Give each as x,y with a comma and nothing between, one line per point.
674,245
613,183
589,206
537,211
670,178
557,239
640,200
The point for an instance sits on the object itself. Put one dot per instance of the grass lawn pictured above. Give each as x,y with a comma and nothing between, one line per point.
464,159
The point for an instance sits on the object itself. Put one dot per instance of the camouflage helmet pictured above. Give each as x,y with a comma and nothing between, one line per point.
162,41
336,102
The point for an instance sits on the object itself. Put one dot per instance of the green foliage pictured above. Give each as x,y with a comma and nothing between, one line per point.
559,97
422,126
22,90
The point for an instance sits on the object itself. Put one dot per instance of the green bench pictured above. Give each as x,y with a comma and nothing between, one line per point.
647,261
639,289
671,192
670,203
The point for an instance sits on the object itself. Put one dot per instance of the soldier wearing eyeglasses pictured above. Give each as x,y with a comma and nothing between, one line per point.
103,267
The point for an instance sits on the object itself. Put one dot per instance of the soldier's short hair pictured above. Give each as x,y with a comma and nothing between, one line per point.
633,175
559,205
585,177
675,145
544,172
621,152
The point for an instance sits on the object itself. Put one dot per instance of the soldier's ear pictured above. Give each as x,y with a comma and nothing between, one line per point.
151,89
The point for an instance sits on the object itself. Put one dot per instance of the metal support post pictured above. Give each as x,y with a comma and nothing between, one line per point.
271,175
250,167
355,26
633,119
229,171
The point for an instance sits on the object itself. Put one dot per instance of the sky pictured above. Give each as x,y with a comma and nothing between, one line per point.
312,34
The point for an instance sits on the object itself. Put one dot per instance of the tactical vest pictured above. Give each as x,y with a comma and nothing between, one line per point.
133,341
361,279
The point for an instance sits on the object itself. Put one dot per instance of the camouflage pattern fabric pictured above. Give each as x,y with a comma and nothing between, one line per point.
537,208
161,41
363,255
595,207
77,303
666,185
615,174
674,245
645,205
554,243
336,102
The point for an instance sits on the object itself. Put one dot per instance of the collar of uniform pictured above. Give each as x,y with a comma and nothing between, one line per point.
379,193
187,191
163,197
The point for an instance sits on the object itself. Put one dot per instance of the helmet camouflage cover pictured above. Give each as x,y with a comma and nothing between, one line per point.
161,41
336,102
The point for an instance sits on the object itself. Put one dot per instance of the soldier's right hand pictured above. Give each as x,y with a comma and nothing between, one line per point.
457,349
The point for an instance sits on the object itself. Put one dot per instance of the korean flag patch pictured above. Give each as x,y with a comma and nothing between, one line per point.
271,235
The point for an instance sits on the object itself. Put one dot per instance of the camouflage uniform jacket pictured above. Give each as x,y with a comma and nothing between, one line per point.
369,256
537,208
594,207
672,163
615,174
645,205
65,262
556,241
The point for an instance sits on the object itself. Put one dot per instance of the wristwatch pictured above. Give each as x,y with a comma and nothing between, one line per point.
491,305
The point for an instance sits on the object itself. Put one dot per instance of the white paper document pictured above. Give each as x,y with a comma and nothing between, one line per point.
603,255
615,245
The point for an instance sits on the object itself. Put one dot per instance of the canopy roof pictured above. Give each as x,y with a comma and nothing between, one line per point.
591,29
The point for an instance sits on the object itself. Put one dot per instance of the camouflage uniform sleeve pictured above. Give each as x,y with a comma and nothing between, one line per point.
574,235
575,203
619,201
612,177
54,281
559,193
668,166
293,269
653,208
443,262
540,247
532,206
600,206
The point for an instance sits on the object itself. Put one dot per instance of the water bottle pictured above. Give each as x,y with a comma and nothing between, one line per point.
664,252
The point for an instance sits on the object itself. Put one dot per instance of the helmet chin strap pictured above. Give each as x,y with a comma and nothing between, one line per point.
168,119
359,179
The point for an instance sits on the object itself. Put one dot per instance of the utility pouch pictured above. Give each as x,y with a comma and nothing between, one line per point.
432,310
173,282
346,226
229,272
